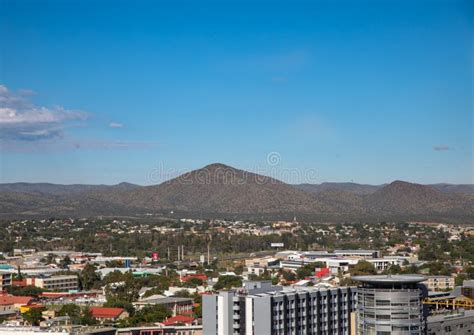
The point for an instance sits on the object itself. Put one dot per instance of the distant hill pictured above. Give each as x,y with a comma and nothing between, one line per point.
346,187
401,197
58,189
451,188
220,190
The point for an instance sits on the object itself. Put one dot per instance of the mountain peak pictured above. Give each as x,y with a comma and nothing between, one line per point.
214,166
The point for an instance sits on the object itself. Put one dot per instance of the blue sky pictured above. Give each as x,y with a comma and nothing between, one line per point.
104,92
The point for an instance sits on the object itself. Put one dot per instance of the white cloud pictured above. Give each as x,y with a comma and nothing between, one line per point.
115,125
21,120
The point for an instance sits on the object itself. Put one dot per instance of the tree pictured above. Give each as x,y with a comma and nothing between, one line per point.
227,282
460,278
71,310
87,318
363,268
122,287
146,315
19,276
239,269
33,316
393,269
183,294
49,259
288,275
438,268
29,290
89,277
198,310
470,272
193,282
65,262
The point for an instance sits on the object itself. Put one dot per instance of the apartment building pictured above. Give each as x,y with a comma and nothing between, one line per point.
439,283
5,279
274,310
55,283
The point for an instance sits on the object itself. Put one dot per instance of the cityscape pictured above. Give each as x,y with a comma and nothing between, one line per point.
236,167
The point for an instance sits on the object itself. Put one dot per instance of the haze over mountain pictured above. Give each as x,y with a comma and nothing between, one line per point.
220,190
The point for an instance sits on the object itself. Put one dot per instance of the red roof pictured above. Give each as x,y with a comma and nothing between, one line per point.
179,319
322,273
21,283
106,312
11,300
36,306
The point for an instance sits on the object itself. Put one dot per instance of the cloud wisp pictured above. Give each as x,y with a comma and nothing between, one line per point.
442,147
115,125
21,120
26,127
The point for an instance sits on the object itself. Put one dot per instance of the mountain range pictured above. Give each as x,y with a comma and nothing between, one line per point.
219,190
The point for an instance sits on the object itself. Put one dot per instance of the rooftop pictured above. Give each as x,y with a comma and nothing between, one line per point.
390,279
450,316
106,312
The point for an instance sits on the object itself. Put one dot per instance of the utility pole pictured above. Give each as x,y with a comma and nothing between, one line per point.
209,253
182,252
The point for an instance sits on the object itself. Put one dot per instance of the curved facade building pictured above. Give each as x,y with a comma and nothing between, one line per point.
391,305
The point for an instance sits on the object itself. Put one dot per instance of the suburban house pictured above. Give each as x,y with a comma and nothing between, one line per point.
109,314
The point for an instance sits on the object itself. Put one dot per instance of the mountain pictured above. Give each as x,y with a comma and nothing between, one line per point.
451,188
345,187
401,197
58,189
219,190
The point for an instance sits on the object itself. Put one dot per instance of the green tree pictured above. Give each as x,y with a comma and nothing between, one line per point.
393,269
227,282
29,290
308,270
87,318
362,268
71,310
288,275
147,315
193,282
65,262
33,316
122,287
89,277
460,278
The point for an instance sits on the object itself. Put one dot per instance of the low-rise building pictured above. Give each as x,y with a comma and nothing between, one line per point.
13,302
109,314
177,305
360,253
382,264
59,283
5,279
456,323
439,283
